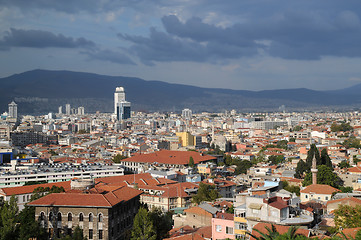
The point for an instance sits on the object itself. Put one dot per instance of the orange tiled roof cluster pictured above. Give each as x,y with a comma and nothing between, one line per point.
170,157
30,188
107,199
320,189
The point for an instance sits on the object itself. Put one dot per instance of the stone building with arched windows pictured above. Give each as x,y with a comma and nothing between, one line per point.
102,213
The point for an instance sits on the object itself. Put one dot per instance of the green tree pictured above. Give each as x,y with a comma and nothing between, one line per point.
347,216
230,210
297,128
243,166
276,159
282,144
77,235
343,164
143,228
117,158
346,189
301,168
205,192
351,142
191,162
228,160
8,214
344,127
162,222
292,139
28,226
311,153
325,175
292,189
325,159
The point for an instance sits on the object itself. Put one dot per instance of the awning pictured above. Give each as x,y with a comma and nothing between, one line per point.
255,206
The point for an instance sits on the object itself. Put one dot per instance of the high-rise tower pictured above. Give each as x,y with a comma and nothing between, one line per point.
13,110
121,107
67,109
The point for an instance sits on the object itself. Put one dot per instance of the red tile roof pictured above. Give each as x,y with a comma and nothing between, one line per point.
226,216
106,200
140,179
170,157
320,189
9,191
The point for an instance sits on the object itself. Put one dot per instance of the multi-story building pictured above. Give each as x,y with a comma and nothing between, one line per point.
13,110
121,106
223,226
27,137
240,222
67,109
275,209
81,111
186,113
185,138
170,196
165,158
101,213
318,192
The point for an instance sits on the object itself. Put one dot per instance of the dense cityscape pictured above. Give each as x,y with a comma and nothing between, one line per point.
136,175
180,120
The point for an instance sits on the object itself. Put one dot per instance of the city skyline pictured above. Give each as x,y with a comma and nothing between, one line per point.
251,45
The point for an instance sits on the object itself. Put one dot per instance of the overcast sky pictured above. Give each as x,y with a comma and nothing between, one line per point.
235,44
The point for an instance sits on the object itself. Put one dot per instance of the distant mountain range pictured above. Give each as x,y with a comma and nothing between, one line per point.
42,91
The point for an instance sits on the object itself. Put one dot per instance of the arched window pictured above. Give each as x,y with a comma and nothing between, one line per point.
81,217
100,217
70,217
51,216
90,217
42,216
59,216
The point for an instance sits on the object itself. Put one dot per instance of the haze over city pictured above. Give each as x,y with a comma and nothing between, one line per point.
253,45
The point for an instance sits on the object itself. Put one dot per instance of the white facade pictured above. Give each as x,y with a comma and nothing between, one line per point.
13,110
67,109
81,111
119,96
187,113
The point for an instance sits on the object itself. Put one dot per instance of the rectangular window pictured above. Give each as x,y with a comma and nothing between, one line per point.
218,228
229,230
90,233
326,198
100,234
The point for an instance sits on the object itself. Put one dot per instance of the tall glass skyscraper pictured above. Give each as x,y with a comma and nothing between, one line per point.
121,107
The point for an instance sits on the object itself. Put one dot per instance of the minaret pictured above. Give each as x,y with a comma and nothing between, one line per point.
314,170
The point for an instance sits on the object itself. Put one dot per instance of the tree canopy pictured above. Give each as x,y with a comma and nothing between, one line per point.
117,158
347,216
325,175
19,225
143,228
344,127
205,192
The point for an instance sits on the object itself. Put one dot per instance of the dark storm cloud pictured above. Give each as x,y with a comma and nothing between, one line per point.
90,6
162,47
290,35
41,39
110,56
